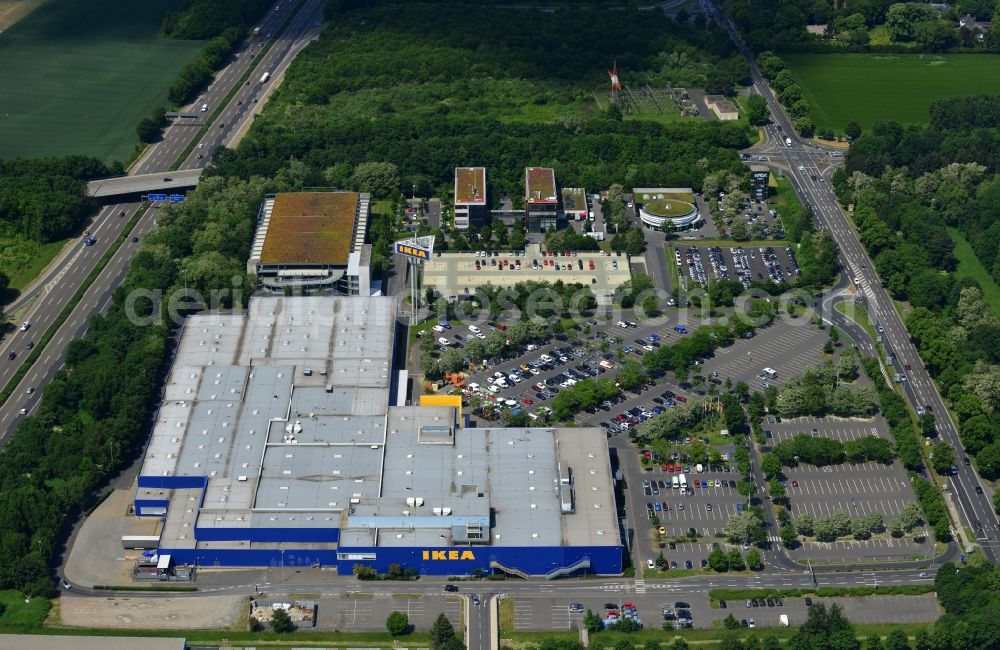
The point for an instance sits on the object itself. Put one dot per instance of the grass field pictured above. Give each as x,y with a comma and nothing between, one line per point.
869,87
78,75
26,259
969,266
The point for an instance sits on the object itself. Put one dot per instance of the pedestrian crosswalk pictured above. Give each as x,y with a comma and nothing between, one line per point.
640,582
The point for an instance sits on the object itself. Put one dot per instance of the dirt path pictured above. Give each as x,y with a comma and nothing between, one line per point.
12,11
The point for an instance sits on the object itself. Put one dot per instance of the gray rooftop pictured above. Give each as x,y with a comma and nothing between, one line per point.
286,410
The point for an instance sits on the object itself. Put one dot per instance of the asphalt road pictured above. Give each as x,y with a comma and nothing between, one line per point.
47,297
920,389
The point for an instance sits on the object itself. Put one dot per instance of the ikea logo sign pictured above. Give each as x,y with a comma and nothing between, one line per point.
449,555
412,251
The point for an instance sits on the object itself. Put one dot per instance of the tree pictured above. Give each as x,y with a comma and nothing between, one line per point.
397,623
788,536
730,622
942,457
381,179
717,560
988,461
281,622
874,642
744,527
736,562
852,130
755,560
148,131
897,640
592,622
441,632
631,375
804,524
770,464
757,111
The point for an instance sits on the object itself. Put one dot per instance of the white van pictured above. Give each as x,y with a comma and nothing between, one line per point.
204,107
675,483
699,468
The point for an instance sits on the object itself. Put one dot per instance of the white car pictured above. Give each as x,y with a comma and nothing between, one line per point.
444,341
474,329
650,564
438,328
802,168
480,336
25,325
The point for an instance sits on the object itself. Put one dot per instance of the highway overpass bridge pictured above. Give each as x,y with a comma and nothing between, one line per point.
159,183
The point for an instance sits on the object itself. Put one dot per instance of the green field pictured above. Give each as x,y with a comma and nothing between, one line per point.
78,75
869,87
969,266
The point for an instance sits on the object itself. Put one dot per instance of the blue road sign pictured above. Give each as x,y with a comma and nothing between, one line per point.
176,198
157,197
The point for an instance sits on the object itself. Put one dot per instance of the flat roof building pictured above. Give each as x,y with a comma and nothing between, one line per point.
673,207
470,197
541,204
724,109
279,440
575,203
307,239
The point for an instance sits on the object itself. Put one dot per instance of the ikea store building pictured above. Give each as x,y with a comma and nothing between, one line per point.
281,442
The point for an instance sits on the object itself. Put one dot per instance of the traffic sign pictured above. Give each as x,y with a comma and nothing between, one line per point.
157,197
176,198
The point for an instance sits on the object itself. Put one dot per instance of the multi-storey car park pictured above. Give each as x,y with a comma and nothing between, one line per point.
282,440
313,240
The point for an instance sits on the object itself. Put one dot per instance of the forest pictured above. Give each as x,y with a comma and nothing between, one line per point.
388,84
862,25
909,186
203,19
94,415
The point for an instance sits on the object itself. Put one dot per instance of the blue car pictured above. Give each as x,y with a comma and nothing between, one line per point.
658,410
654,337
680,329
656,504
445,324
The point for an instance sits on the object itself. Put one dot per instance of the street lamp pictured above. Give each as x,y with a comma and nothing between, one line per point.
282,551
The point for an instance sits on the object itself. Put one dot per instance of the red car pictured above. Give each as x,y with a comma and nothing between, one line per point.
501,327
528,401
647,454
663,468
628,604
907,367
795,484
681,398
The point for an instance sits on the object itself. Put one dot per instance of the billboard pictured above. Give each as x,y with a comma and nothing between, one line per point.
418,248
454,401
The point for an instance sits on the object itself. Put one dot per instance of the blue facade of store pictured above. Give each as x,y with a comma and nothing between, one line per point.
535,561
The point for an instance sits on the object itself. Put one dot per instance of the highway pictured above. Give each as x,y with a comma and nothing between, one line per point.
801,160
42,302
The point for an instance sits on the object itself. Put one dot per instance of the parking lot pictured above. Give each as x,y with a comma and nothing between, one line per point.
554,613
459,274
556,365
787,347
699,266
367,612
857,489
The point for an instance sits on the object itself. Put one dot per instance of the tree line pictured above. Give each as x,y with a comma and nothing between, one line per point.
94,415
204,19
916,189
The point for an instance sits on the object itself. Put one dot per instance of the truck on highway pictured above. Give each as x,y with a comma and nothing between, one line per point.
788,142
264,77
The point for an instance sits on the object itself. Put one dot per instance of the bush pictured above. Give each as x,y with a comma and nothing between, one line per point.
397,623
